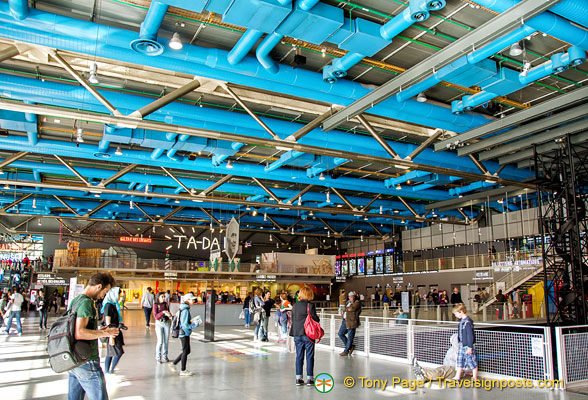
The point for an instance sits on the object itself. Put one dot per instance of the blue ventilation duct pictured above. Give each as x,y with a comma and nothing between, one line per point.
576,11
147,43
243,46
19,8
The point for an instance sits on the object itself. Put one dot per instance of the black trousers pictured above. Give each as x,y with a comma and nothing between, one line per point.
185,351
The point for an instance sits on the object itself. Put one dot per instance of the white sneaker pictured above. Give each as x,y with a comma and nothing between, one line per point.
172,367
186,373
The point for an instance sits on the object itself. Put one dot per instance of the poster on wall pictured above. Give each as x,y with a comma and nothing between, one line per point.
379,264
232,239
352,266
389,262
361,265
369,270
338,268
344,269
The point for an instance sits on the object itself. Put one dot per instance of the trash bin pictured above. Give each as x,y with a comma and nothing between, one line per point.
528,305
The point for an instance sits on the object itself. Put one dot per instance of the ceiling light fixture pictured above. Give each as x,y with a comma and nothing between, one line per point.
80,135
328,197
515,49
39,223
96,194
34,203
93,74
146,188
421,98
271,240
311,213
254,213
381,209
131,204
324,52
175,42
264,217
177,201
299,200
526,68
398,187
118,152
1,172
322,176
365,218
229,164
247,208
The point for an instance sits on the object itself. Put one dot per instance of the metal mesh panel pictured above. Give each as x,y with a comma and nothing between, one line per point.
575,346
326,325
388,339
432,342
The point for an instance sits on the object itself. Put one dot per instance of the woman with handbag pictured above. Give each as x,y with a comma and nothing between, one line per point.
162,317
113,319
304,345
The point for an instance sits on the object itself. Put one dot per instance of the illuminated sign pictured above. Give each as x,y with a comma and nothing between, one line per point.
389,250
205,244
130,239
171,275
379,251
266,278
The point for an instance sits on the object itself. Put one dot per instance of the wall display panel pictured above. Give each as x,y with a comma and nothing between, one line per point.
344,268
352,265
369,263
338,267
389,262
379,261
361,266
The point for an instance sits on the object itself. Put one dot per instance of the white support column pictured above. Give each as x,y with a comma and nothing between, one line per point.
334,332
438,313
410,340
561,355
548,354
366,338
484,314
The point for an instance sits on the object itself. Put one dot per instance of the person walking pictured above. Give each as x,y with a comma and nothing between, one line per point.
466,358
162,317
444,305
349,324
88,378
455,299
304,345
186,326
147,302
41,305
112,319
416,303
14,306
268,304
246,310
257,315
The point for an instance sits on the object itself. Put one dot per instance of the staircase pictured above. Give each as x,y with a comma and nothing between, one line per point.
523,279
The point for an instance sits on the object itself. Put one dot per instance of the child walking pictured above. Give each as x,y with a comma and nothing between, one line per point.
466,358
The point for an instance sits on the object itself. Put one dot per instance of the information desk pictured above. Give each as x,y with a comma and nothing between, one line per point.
226,314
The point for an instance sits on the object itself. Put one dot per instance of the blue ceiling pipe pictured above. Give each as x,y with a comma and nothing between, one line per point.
469,188
109,42
575,11
558,63
547,22
72,96
243,46
19,8
147,43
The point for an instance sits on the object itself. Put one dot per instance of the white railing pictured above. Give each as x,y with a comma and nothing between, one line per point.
503,351
572,347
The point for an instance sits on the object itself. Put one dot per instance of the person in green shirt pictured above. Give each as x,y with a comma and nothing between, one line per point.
88,379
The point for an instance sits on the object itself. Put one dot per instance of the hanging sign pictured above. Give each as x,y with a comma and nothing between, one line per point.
131,239
232,239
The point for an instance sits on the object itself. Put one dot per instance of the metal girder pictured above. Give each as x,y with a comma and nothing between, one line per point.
84,83
165,100
546,148
144,213
378,138
408,206
232,137
549,106
66,205
275,223
306,189
216,185
8,53
329,227
552,134
15,227
244,213
527,129
375,229
62,223
347,227
251,113
486,33
315,123
424,145
171,213
186,188
15,202
344,199
365,208
100,207
91,224
459,210
478,164
212,218
73,171
117,175
280,241
13,158
125,229
476,198
267,190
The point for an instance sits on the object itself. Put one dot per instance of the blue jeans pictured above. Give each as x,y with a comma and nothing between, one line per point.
304,345
259,327
147,315
110,363
247,316
162,332
43,318
88,380
347,340
284,331
14,314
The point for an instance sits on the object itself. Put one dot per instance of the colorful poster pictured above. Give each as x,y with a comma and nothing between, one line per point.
389,266
352,267
338,268
370,266
361,266
379,264
344,269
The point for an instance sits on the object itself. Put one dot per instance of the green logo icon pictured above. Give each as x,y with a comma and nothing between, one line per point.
324,383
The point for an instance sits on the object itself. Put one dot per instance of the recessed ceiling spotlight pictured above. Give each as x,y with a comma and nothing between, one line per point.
118,152
322,176
421,98
176,42
93,74
229,164
515,49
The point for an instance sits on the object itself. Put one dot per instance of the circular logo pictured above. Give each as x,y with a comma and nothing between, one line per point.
324,383
65,357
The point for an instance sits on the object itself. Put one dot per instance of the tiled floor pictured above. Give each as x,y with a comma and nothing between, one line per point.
232,368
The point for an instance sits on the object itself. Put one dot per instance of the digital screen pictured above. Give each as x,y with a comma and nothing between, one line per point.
370,266
344,270
389,264
361,266
338,268
352,267
379,264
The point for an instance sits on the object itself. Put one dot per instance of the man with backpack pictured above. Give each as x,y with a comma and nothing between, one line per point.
88,378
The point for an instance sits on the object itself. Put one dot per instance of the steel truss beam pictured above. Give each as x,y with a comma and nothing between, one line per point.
66,205
232,137
13,158
215,185
120,173
15,202
488,32
165,100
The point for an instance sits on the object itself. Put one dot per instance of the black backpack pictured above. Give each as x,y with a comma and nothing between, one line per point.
65,352
175,325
